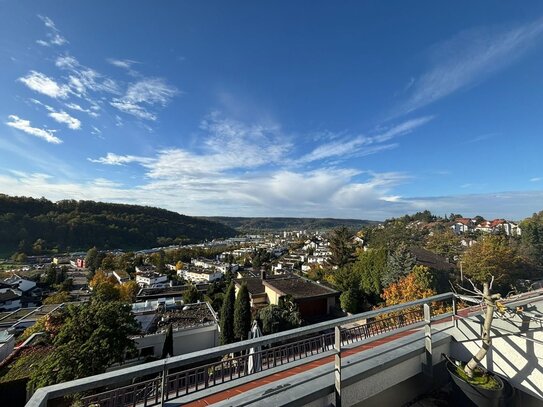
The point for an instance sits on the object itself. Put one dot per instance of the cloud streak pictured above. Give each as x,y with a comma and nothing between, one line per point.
364,145
144,94
468,58
54,38
25,126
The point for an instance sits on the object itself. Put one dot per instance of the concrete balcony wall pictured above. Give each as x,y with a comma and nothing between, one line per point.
516,352
389,375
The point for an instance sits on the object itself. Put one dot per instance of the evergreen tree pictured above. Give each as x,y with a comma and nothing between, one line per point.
91,259
399,264
227,316
167,349
341,247
242,314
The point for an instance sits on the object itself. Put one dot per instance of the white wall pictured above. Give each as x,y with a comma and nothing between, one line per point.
511,354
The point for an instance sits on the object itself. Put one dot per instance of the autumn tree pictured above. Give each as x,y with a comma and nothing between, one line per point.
128,291
242,313
492,257
414,286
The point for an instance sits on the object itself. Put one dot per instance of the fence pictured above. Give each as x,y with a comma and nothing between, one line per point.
155,382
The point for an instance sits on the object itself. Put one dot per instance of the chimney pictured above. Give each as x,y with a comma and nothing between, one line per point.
262,273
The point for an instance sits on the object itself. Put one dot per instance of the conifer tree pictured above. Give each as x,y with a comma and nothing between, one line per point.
227,316
242,314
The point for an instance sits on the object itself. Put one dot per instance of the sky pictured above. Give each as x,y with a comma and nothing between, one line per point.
353,109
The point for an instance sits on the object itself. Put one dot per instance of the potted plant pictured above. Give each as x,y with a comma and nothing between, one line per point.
480,386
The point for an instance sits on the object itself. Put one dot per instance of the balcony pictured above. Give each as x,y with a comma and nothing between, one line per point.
389,356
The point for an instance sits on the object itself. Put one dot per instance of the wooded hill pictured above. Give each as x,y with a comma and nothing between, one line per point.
279,224
39,225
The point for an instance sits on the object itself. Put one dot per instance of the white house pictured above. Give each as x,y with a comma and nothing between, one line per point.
201,275
150,278
121,276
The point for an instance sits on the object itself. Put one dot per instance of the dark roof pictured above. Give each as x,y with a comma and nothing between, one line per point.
8,296
254,285
299,287
434,261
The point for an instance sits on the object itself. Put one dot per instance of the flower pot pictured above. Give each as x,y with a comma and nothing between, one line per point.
479,396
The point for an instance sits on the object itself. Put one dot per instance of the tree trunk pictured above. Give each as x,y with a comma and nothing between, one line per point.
490,301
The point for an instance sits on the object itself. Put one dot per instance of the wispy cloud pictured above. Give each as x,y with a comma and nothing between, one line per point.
122,63
24,125
53,36
115,159
41,83
91,111
364,145
536,179
60,116
468,58
145,94
83,79
65,118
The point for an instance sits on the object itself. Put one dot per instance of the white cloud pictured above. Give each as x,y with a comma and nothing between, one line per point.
24,125
122,63
41,83
143,94
65,118
90,112
84,79
536,179
53,36
468,58
115,159
363,145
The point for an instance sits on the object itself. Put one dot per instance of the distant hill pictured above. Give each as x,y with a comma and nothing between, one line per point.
279,224
79,225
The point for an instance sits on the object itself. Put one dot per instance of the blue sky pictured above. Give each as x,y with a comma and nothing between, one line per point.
359,109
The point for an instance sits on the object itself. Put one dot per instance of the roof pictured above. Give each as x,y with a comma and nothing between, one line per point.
299,288
429,259
254,285
8,296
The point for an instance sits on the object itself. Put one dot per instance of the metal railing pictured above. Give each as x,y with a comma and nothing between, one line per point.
155,382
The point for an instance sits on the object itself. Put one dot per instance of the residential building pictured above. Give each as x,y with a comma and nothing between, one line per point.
150,278
201,275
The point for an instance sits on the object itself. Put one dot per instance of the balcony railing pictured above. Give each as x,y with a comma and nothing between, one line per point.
156,382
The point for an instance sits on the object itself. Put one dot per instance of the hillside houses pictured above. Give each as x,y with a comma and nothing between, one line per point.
466,225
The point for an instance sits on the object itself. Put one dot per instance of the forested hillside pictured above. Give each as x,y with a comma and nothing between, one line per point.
39,225
279,224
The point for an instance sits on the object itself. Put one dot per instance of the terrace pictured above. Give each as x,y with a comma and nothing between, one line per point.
381,357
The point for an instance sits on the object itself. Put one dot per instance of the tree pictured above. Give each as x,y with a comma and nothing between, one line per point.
167,349
445,243
108,262
341,247
492,257
242,314
91,259
191,295
400,262
58,298
128,291
414,286
351,300
94,335
371,265
227,316
278,318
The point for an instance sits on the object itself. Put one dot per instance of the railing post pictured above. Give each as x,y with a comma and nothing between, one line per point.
164,384
454,312
428,365
337,349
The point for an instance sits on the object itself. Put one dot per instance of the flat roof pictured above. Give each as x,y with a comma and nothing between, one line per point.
299,288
